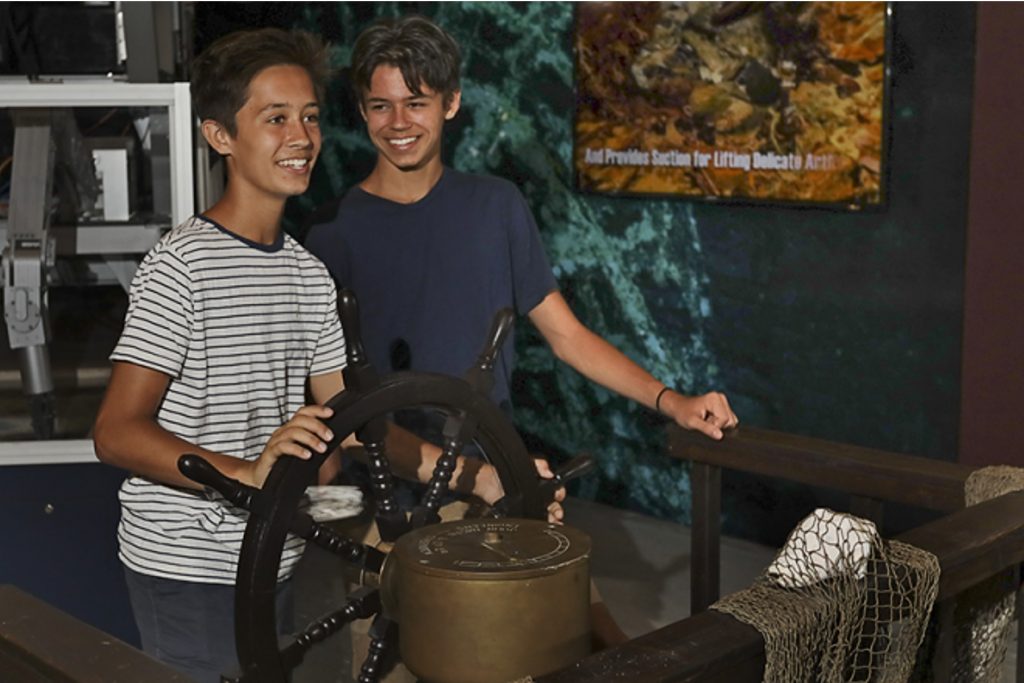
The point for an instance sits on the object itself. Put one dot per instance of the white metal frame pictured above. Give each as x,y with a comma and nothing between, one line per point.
51,452
175,97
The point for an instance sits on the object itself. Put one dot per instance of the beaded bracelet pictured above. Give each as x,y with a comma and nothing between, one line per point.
657,401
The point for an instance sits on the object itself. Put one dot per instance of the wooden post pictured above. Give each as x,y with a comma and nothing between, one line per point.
705,538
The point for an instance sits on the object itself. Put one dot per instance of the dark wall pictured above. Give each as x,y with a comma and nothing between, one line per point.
848,326
837,325
993,393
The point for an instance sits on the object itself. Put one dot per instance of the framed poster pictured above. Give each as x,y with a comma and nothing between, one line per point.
737,101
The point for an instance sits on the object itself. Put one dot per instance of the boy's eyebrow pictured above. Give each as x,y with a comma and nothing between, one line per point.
421,96
285,105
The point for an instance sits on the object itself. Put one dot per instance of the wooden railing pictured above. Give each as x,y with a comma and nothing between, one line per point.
871,478
39,643
972,545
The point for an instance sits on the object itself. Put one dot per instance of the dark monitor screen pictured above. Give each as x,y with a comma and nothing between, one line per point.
58,38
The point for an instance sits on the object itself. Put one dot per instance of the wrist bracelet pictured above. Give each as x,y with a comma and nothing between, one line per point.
657,401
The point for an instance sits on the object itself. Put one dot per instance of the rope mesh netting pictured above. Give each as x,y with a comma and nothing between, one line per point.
839,604
984,614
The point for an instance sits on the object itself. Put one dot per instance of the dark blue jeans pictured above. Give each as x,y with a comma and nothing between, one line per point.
191,626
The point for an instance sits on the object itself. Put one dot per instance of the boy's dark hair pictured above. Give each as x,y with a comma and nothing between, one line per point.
222,72
416,46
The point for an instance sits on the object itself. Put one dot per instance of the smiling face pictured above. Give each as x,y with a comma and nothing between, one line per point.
405,127
277,136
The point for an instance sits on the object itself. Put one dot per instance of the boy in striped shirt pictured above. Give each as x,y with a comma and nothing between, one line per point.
229,321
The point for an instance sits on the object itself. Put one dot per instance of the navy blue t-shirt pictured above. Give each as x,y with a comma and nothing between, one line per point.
429,276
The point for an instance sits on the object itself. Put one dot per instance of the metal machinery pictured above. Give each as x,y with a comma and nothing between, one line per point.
110,248
70,217
362,409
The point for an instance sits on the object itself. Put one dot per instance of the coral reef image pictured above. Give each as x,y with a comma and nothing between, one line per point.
744,100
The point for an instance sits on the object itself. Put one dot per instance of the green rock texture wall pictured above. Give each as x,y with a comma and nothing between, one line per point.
836,325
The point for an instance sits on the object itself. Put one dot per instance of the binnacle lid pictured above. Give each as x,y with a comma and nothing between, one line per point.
491,548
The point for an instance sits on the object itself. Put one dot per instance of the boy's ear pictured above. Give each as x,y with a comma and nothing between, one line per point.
217,136
453,105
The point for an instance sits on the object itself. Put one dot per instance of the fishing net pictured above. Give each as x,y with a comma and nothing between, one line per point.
839,604
983,615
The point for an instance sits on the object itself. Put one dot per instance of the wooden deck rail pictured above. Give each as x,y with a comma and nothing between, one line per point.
893,477
39,643
870,476
971,545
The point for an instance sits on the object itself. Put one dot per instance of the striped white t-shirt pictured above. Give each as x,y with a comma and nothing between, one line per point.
239,327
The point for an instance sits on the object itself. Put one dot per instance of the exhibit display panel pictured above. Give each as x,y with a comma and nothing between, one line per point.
751,102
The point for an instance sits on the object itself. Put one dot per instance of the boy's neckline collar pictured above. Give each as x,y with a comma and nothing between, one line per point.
269,248
419,202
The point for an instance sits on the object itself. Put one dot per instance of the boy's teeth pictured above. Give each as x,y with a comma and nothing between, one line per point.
402,141
296,163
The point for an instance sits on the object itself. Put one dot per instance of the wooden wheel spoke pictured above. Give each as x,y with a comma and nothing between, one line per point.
199,470
384,634
322,536
458,430
362,604
391,521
